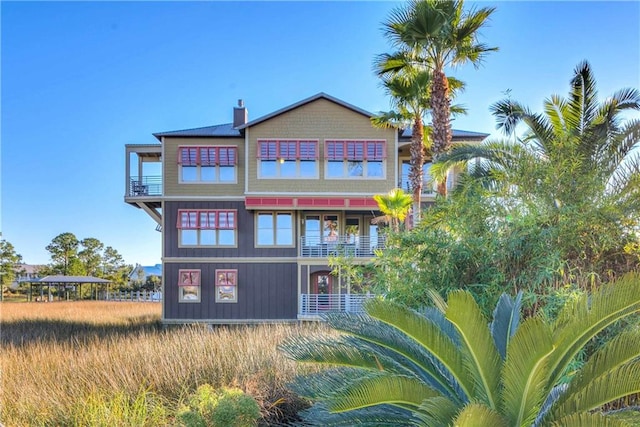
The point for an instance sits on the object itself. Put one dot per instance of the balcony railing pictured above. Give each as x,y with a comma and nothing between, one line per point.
145,186
318,304
346,245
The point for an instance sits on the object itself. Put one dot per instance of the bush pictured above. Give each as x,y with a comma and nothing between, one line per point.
227,407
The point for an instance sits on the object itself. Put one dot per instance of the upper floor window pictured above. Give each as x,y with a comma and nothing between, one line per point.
355,159
274,229
208,164
207,227
287,159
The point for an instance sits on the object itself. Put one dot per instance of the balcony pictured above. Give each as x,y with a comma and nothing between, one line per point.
145,186
313,306
345,245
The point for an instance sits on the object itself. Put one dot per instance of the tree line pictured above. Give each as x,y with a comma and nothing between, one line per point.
71,256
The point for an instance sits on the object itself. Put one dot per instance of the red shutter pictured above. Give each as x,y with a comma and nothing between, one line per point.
227,156
287,150
267,150
187,219
335,150
188,156
355,150
308,150
376,150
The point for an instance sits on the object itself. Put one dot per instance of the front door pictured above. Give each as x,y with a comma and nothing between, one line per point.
321,286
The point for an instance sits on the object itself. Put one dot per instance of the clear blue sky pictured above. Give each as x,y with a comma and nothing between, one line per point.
82,79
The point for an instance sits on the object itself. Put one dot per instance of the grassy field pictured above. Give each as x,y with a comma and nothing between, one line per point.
64,363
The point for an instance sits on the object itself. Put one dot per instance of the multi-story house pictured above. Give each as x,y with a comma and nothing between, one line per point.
250,211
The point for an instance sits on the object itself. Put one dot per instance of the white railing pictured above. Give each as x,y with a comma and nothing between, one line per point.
317,304
345,245
140,296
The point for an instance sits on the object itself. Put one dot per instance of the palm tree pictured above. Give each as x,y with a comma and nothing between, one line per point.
409,93
579,158
448,366
435,34
395,206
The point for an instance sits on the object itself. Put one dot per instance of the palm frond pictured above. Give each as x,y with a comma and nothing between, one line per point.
380,389
614,384
389,342
589,420
506,319
583,98
524,374
430,337
477,415
480,354
382,415
437,411
578,322
621,350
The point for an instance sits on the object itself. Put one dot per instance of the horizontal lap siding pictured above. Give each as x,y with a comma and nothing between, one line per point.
265,292
320,120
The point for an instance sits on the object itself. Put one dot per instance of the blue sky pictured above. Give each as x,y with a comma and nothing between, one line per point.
79,80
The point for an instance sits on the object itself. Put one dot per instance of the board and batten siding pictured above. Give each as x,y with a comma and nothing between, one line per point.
266,292
320,120
171,169
245,233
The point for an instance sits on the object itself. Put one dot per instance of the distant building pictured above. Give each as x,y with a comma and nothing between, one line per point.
140,273
25,273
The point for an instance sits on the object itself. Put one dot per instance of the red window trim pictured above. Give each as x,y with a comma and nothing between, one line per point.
355,150
231,216
280,152
200,159
226,272
193,276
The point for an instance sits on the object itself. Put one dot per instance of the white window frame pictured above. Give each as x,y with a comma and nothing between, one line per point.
274,222
200,221
202,157
350,157
189,284
282,154
226,284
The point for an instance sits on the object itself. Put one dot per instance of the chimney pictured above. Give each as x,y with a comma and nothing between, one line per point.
240,114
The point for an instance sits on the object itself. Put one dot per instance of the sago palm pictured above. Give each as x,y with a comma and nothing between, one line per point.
435,34
450,367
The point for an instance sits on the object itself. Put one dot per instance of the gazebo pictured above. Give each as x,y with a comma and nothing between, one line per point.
65,286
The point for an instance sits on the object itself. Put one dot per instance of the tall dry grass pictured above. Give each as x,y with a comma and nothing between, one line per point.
56,356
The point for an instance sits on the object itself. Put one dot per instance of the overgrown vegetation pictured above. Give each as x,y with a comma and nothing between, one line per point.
101,363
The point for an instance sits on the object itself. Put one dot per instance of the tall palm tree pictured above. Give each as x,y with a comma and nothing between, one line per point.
409,93
577,165
450,367
579,152
395,206
435,34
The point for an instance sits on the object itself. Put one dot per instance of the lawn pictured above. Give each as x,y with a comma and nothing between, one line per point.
64,362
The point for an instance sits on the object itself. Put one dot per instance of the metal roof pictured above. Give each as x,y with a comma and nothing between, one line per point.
455,133
227,129
222,130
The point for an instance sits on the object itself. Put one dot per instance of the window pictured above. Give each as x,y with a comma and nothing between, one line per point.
355,159
226,285
207,227
274,229
189,285
207,164
287,159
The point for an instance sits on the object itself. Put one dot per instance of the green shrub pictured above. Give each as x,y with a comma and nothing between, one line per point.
227,407
119,410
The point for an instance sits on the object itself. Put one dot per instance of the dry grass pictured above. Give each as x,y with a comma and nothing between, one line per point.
57,355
